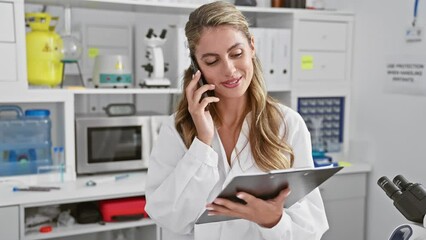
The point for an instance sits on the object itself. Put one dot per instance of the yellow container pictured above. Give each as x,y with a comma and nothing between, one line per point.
44,50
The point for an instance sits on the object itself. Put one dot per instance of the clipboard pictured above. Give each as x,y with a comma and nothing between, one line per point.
268,185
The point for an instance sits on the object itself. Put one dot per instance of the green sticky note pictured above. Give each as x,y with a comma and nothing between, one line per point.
93,52
307,62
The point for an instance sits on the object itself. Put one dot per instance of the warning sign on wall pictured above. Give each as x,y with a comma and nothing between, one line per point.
406,75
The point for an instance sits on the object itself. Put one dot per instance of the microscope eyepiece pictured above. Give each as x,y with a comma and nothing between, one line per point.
387,186
409,198
163,34
150,33
401,182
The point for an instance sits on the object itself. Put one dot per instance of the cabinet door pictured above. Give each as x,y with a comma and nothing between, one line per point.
323,36
9,222
7,43
344,202
324,66
7,23
345,218
8,64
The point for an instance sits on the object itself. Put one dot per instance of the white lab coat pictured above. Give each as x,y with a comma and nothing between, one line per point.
182,181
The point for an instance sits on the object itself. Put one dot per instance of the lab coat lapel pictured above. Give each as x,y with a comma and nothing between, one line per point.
242,161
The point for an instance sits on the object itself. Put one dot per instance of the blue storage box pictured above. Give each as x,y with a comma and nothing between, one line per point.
25,140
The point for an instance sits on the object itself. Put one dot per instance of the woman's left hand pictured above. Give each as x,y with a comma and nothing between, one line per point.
266,213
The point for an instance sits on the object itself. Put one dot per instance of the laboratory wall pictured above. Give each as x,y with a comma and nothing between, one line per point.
387,129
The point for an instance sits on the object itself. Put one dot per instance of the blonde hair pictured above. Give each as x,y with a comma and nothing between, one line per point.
269,150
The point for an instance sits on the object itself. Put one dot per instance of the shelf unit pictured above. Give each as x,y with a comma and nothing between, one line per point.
79,229
309,29
74,192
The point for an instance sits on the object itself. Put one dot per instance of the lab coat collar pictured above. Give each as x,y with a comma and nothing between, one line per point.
245,158
242,151
242,159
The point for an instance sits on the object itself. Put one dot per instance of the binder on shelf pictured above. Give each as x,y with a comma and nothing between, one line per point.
273,48
281,59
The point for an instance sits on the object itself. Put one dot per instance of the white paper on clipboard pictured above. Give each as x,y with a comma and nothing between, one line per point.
268,185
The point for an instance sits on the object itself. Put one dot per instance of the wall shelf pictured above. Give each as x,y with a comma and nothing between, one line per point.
168,7
107,91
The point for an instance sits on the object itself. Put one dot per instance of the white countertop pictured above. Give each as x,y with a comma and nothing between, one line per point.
75,191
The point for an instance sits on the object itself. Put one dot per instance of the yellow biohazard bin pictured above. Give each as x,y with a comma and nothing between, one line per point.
44,50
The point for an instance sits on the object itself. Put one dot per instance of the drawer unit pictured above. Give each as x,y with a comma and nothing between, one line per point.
7,23
9,222
345,219
344,186
324,36
329,66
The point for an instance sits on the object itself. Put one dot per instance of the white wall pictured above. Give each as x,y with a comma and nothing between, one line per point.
388,130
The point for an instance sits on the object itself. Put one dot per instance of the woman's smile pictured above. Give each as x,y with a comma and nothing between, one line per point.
232,83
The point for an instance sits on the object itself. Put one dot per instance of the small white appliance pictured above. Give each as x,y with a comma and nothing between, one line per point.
110,144
112,71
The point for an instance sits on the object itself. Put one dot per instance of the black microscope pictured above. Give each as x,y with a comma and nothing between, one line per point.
410,199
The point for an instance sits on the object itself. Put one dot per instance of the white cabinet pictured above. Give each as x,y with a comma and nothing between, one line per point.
9,222
7,22
8,61
12,46
325,66
322,35
344,197
322,51
322,62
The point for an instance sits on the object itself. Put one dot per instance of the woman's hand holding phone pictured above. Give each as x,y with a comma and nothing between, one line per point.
197,108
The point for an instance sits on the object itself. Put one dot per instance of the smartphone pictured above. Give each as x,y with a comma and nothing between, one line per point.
201,81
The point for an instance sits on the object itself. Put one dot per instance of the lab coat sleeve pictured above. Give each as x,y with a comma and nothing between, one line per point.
305,219
179,180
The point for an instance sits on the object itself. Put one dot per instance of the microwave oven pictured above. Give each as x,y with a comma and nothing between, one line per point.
111,144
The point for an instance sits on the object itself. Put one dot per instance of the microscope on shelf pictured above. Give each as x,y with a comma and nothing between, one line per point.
410,199
155,66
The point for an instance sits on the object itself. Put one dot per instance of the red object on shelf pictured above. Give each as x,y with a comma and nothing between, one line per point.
123,209
45,229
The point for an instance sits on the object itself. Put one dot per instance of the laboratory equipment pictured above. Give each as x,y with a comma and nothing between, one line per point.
410,199
72,48
112,144
44,50
155,66
112,71
25,140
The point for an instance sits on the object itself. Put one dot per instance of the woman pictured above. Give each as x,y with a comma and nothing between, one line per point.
199,151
